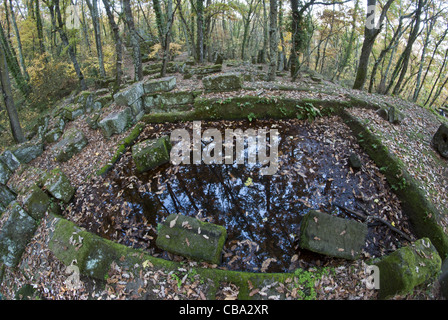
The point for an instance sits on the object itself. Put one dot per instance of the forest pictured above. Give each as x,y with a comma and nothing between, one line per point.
54,47
98,199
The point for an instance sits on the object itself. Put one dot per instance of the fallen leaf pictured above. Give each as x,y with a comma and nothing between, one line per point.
173,222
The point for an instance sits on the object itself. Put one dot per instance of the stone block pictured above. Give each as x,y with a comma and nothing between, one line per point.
58,185
331,235
35,202
159,85
116,122
15,235
192,238
440,140
71,143
28,151
129,95
408,267
151,153
223,82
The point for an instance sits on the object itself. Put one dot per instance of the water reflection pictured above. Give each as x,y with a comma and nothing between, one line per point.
261,213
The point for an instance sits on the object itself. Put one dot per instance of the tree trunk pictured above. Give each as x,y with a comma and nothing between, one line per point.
167,37
93,7
138,75
118,44
159,19
65,42
85,28
351,41
429,29
295,45
441,70
407,52
19,42
200,29
370,35
265,33
392,45
9,102
40,32
13,64
273,39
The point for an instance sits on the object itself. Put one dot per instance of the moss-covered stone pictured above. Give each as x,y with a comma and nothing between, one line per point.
69,242
421,212
53,135
28,151
189,72
116,122
58,185
10,160
223,82
159,85
35,202
95,256
5,173
72,143
192,238
440,140
129,95
408,267
92,120
15,234
151,153
6,196
175,98
122,146
331,235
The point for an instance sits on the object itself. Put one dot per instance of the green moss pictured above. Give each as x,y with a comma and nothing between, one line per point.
95,256
122,146
408,267
421,212
202,242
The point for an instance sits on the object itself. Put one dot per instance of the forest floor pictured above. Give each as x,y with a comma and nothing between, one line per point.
409,141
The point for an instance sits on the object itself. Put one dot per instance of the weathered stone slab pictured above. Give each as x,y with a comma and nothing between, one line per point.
171,67
391,114
6,196
223,82
28,151
129,95
175,98
72,142
192,238
15,235
158,85
93,254
331,235
10,160
408,267
202,70
151,153
53,135
168,101
5,173
35,202
440,140
116,122
58,185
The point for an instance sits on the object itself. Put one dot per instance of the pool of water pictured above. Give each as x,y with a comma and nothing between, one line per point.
261,213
